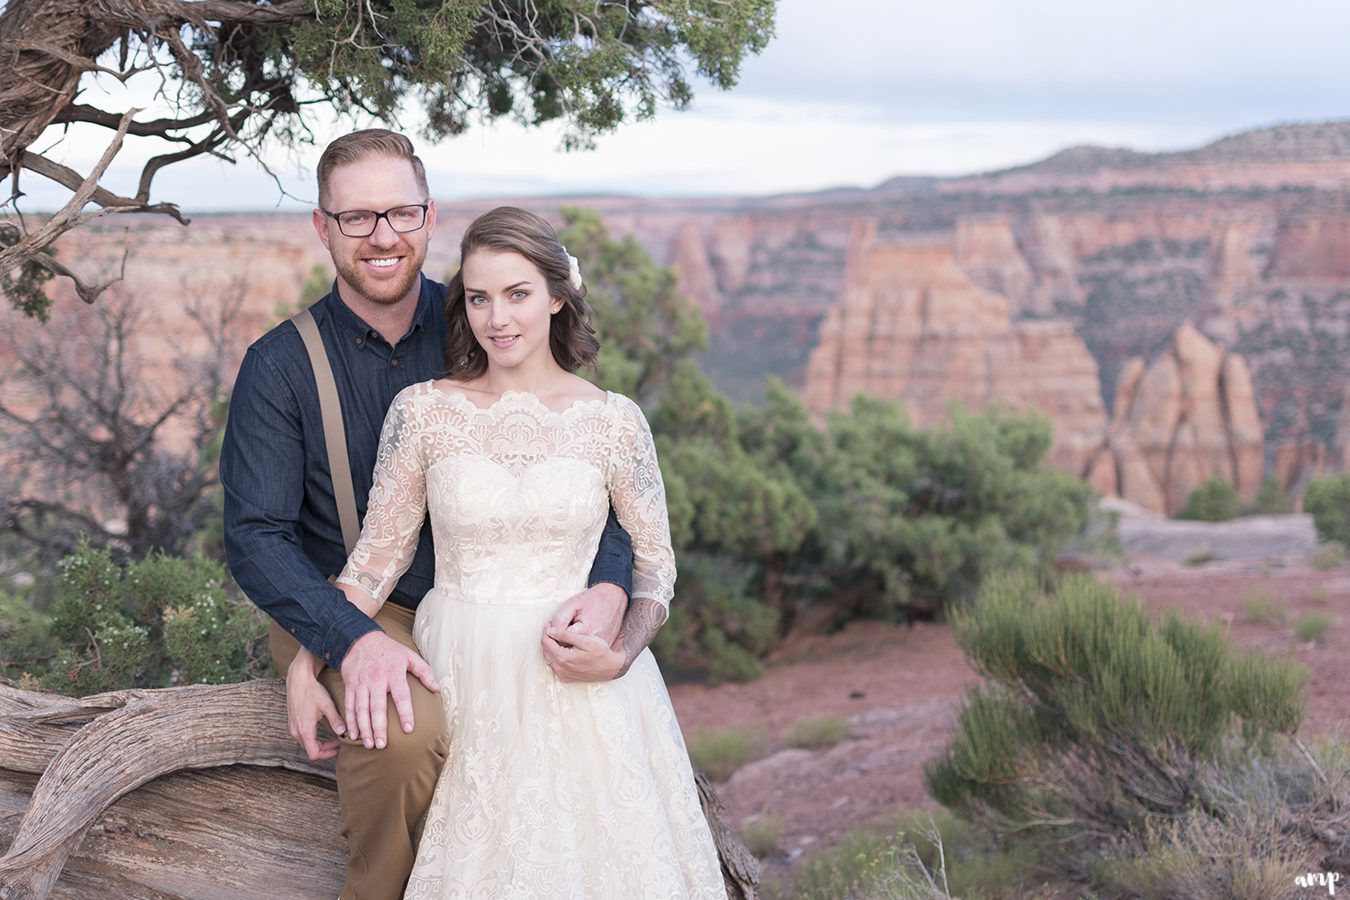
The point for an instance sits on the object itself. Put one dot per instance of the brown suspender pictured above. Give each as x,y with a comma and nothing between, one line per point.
334,435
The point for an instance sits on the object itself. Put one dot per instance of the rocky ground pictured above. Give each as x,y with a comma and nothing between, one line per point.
899,686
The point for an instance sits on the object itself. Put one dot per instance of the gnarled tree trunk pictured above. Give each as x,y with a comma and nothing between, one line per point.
217,799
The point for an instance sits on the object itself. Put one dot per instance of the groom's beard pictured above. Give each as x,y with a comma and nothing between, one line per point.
373,287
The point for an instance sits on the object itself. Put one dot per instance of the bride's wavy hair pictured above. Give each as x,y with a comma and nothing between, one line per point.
510,229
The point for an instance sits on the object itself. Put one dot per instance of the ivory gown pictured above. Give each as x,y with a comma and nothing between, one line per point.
550,790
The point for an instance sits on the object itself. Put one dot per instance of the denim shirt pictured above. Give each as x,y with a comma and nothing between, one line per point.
282,535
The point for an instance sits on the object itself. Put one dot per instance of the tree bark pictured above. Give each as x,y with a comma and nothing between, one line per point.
198,816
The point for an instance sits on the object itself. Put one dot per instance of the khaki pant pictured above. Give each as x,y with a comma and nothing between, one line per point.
383,793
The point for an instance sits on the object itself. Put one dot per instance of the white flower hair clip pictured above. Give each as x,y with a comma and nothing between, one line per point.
573,271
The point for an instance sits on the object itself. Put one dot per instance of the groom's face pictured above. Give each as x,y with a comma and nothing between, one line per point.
383,266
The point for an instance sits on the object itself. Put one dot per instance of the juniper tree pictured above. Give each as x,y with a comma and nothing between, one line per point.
245,77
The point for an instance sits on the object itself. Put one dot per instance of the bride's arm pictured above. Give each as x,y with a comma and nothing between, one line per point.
639,498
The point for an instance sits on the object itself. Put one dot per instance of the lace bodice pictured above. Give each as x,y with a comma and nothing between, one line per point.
517,493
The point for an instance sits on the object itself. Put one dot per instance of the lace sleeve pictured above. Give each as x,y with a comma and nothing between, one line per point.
396,508
639,498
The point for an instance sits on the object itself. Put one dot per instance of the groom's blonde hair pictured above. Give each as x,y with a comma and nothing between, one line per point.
358,145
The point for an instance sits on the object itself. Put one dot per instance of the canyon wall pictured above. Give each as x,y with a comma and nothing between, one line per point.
911,325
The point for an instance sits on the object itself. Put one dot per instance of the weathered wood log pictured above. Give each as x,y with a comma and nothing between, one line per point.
223,832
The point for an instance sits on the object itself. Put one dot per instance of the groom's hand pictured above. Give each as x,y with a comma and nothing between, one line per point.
598,610
306,703
376,667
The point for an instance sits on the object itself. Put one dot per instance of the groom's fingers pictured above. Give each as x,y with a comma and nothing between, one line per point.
328,710
566,613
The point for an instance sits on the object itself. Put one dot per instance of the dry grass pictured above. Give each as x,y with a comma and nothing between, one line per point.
817,734
720,753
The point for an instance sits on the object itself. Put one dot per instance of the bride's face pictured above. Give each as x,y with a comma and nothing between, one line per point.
508,306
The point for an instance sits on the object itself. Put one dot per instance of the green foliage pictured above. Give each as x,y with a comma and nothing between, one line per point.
720,753
1312,626
647,327
26,642
161,621
762,834
1200,555
816,734
1094,718
1214,501
1328,500
1255,834
1328,555
25,284
1260,606
909,519
1271,499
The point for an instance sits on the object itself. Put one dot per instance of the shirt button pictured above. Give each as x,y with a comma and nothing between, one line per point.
328,656
360,341
394,363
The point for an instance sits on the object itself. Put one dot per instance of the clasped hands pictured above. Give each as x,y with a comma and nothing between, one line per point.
577,644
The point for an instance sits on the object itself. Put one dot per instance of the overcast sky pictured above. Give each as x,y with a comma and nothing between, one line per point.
856,91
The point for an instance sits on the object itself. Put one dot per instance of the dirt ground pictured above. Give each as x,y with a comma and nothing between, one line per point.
899,686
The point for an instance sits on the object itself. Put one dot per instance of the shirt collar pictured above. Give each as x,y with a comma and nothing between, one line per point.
356,327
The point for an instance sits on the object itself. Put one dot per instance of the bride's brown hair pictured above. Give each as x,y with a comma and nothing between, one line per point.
510,229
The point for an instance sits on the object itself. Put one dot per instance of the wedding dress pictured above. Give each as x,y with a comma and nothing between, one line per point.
550,790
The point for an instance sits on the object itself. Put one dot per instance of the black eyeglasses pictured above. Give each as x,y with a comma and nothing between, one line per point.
362,222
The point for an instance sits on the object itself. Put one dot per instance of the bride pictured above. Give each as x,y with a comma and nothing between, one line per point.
553,787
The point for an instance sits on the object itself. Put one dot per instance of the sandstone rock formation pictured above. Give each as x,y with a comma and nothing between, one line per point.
694,272
910,324
1186,418
987,251
1311,247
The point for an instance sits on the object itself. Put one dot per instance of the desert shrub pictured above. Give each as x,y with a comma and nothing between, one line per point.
718,629
921,855
814,734
26,642
1328,555
1259,827
1094,719
720,753
1328,501
155,622
910,520
1260,606
762,835
1312,627
1270,499
1199,556
1214,501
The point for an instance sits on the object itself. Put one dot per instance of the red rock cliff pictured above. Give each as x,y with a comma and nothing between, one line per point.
911,325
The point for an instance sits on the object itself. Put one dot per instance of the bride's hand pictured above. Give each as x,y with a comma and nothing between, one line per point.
575,655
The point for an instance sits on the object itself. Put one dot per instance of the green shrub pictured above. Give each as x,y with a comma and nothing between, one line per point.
718,628
1094,719
160,621
1328,555
26,642
1312,626
1254,829
1328,501
1199,556
720,753
924,855
762,834
815,734
1260,606
1271,499
1214,501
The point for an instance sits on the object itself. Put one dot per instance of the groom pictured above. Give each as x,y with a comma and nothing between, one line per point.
384,328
